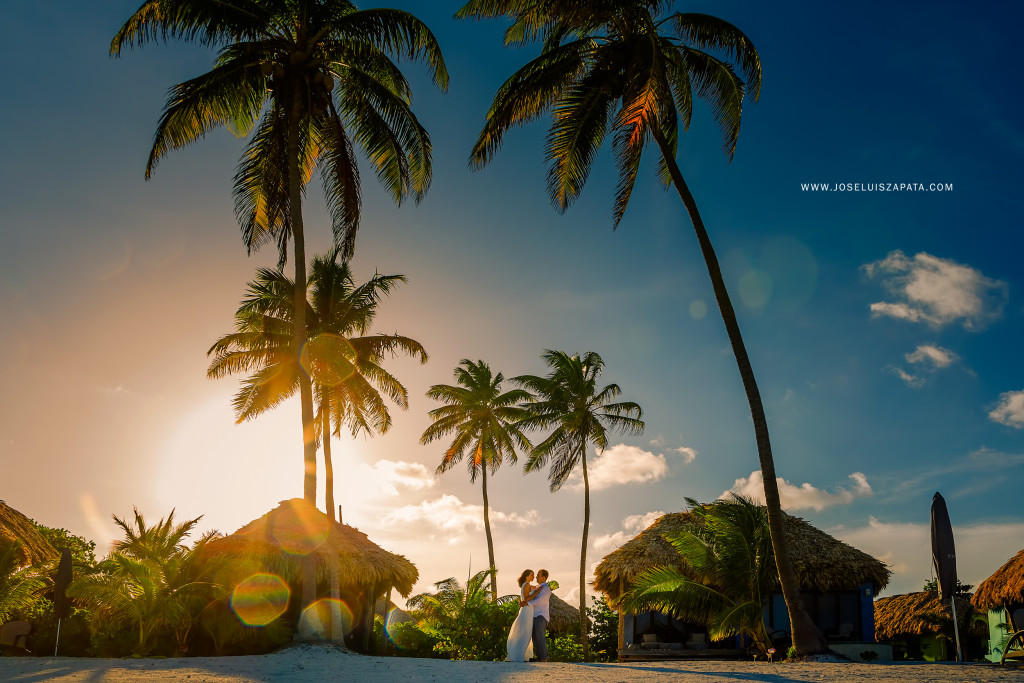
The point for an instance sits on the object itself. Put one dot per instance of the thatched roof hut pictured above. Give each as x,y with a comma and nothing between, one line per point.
295,529
821,562
920,614
32,548
1005,587
564,617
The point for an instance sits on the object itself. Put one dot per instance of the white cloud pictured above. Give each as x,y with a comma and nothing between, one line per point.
390,478
621,464
689,454
1010,409
906,548
804,496
910,380
631,526
937,356
936,291
449,513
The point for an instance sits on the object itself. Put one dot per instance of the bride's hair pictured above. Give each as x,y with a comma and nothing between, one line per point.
522,577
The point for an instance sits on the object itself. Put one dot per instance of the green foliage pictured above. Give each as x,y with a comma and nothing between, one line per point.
74,630
604,630
791,652
83,552
151,584
20,587
963,591
407,640
463,621
565,647
728,548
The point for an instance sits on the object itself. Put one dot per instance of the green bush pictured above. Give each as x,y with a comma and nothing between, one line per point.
565,647
604,631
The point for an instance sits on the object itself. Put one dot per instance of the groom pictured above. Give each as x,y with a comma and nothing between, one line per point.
541,617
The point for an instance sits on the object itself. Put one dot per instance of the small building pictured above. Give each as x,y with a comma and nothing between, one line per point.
351,571
1001,597
838,584
920,626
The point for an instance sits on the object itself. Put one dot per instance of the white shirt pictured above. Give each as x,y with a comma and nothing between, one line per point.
540,602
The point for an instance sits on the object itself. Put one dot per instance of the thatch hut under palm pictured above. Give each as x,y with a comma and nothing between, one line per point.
920,626
31,547
349,567
1002,596
564,617
838,582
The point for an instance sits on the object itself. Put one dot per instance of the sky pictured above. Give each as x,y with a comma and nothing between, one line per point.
884,326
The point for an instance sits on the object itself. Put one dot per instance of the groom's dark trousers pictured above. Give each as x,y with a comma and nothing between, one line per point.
540,642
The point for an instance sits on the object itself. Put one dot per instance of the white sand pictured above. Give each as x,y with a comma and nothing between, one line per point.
313,663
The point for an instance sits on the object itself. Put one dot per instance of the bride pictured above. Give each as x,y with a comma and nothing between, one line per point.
520,636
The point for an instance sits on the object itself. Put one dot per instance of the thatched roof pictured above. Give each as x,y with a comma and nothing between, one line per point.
821,562
1005,587
33,548
564,617
919,614
294,529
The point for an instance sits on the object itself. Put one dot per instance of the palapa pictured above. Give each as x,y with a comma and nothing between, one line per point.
16,527
820,561
279,540
564,617
921,614
1004,588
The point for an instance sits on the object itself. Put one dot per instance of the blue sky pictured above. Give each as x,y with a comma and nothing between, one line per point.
884,326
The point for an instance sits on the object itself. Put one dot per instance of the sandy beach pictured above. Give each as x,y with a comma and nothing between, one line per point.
306,663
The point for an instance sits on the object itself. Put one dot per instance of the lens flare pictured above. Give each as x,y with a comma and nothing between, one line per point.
328,358
260,599
304,533
326,618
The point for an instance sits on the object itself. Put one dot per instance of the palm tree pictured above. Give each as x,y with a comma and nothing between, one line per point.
568,401
20,586
482,419
152,581
343,361
621,66
727,547
314,78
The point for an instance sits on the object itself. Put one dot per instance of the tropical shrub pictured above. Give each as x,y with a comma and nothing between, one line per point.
604,630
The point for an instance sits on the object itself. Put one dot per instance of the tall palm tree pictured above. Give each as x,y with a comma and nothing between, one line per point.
343,361
728,550
483,420
623,67
314,78
568,401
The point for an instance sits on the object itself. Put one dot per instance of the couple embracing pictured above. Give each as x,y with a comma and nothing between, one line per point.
527,639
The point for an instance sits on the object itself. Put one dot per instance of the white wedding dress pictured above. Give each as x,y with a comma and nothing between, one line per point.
520,636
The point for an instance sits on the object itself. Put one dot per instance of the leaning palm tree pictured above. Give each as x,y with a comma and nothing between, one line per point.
315,79
483,420
568,401
727,549
343,361
624,68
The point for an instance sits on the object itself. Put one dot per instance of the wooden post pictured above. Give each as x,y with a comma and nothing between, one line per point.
337,627
384,637
339,515
622,623
368,617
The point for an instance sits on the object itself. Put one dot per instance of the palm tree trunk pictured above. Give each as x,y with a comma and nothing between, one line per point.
490,541
299,329
806,636
325,431
583,556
